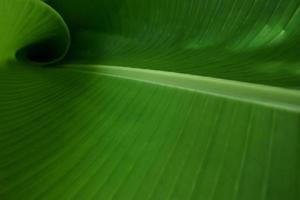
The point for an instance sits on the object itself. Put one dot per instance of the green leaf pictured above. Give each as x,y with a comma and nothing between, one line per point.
151,99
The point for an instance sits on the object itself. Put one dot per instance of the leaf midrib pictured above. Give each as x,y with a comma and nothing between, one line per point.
281,98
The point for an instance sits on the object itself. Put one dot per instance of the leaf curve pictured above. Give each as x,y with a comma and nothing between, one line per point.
32,31
181,117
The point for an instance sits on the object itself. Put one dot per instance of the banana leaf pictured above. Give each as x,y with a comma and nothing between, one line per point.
150,99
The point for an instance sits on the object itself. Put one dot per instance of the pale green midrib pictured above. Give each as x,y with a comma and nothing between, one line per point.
281,98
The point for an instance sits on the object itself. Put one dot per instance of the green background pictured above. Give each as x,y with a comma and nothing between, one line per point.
150,99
